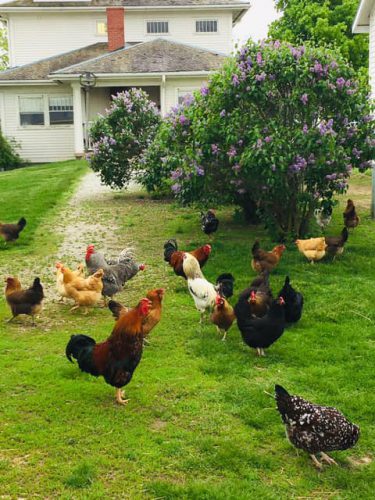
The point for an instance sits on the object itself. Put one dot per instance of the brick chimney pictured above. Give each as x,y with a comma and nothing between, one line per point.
116,28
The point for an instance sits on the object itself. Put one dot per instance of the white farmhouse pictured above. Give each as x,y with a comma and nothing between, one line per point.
166,47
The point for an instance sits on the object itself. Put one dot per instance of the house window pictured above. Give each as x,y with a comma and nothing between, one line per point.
157,27
206,26
31,110
60,110
101,28
184,94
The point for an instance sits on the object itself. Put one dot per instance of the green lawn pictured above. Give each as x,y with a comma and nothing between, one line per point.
199,424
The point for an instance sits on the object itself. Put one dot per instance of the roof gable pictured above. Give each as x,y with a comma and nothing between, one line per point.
362,19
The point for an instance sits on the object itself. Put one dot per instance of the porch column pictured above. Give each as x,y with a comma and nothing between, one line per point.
163,103
79,148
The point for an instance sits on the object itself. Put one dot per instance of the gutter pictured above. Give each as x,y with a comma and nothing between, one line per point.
111,76
130,8
10,83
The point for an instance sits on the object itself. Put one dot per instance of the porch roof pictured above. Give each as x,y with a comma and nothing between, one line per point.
40,70
154,57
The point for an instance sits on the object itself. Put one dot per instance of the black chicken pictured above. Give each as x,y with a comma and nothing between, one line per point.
314,428
226,285
260,333
210,222
293,302
11,232
335,244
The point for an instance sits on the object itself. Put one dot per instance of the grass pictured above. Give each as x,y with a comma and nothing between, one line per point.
199,424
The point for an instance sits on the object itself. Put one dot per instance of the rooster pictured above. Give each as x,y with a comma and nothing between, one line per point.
116,272
314,428
258,296
226,285
21,301
11,232
335,244
117,357
293,302
351,219
175,257
266,261
260,333
209,221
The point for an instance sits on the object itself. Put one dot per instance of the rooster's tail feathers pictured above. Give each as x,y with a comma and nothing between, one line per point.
255,248
344,235
21,223
169,248
225,284
126,255
76,345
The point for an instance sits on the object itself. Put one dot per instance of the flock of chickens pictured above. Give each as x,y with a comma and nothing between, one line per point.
261,318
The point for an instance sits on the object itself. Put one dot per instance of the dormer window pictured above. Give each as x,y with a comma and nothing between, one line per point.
157,27
206,26
101,28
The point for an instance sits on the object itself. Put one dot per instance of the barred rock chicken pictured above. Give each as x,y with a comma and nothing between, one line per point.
222,316
351,219
117,357
175,257
314,428
258,296
226,285
335,244
260,333
209,221
11,232
116,272
266,261
24,301
293,302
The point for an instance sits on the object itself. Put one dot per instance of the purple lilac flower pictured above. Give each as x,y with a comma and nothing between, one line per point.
334,65
365,164
183,120
268,139
188,100
259,59
223,113
349,167
277,44
232,152
351,91
340,82
235,80
317,68
261,77
331,177
326,128
176,188
304,99
205,91
299,164
236,168
357,153
240,142
199,171
368,118
176,174
215,149
305,128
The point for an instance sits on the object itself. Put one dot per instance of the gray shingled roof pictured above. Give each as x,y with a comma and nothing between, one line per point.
126,3
156,56
41,69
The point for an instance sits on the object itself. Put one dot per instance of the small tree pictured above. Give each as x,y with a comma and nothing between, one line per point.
3,46
279,129
122,135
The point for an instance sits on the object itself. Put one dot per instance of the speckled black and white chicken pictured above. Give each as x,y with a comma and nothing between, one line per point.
210,222
314,428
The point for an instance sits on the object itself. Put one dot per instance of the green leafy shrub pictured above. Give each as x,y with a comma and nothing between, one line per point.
277,131
122,135
9,158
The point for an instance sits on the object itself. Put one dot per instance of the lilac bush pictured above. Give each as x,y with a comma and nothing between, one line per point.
122,135
277,131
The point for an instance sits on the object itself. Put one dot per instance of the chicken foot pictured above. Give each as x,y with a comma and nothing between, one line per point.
260,352
327,459
316,462
120,397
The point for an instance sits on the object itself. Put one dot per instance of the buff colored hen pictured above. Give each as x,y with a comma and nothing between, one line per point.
313,249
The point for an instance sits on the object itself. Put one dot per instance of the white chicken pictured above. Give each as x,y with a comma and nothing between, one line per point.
203,292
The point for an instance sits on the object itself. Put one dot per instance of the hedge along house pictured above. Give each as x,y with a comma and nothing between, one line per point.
365,23
56,49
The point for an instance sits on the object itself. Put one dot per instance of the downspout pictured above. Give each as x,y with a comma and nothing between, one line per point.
163,102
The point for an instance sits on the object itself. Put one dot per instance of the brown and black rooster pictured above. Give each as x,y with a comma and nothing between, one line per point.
11,232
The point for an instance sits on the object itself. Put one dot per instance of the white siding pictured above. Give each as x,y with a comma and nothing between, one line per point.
37,144
372,50
37,36
182,28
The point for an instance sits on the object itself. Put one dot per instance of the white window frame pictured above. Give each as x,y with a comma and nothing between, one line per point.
158,21
206,33
97,21
47,124
185,90
53,125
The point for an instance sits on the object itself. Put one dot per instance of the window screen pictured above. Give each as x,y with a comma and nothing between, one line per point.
206,26
60,110
31,110
155,27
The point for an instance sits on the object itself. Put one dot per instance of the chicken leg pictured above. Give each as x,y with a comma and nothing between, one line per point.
326,458
316,462
119,397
